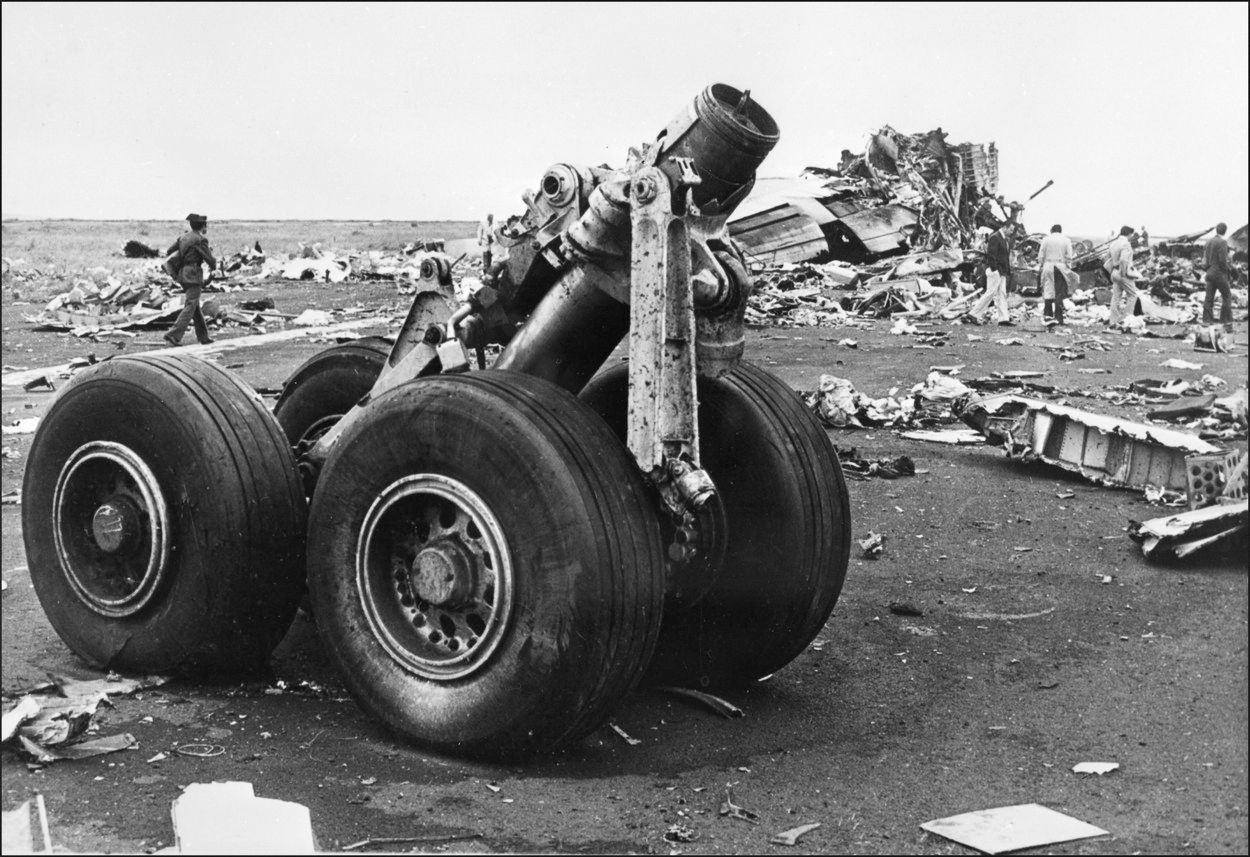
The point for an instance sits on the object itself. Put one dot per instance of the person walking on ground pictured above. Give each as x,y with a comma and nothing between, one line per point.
1054,272
997,269
1215,259
193,247
1120,264
486,239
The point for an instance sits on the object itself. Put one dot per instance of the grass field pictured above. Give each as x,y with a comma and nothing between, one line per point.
62,247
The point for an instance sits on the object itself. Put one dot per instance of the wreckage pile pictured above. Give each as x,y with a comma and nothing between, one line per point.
839,405
905,193
1169,467
905,224
943,284
313,263
99,300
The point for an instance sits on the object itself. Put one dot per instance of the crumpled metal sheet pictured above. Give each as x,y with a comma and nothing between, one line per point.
1185,533
1103,449
906,192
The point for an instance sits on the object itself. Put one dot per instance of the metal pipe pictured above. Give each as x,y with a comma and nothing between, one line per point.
583,317
727,135
572,331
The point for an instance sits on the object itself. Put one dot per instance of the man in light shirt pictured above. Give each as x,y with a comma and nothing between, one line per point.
1119,264
486,239
1054,265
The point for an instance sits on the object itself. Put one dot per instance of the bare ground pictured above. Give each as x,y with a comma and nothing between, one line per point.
889,722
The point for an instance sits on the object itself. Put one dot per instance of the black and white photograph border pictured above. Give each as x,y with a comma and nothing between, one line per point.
661,428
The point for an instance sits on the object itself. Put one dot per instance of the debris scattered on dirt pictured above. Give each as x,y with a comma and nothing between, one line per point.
49,721
1175,363
15,827
41,382
25,709
201,751
228,818
138,250
46,754
1188,532
839,405
722,707
1082,442
629,739
791,836
1212,339
872,545
18,828
1012,828
949,436
26,426
731,810
312,318
1182,407
1098,768
410,840
886,468
680,833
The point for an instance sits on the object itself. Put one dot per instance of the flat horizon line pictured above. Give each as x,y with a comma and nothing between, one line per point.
242,220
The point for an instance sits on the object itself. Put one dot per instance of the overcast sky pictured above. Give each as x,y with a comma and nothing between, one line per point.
116,111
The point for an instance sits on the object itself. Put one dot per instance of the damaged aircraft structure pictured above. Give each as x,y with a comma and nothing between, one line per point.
906,192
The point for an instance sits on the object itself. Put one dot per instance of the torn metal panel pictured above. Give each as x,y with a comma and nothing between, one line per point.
1102,449
801,220
780,235
1238,240
1182,534
976,166
879,231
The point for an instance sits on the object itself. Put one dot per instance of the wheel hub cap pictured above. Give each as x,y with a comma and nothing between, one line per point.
111,528
115,525
442,574
434,576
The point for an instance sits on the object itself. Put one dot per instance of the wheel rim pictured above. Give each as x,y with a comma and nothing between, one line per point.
110,525
434,576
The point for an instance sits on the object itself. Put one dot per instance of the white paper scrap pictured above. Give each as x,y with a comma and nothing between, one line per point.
1011,828
1098,768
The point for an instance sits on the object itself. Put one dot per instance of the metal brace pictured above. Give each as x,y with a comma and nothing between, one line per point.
663,433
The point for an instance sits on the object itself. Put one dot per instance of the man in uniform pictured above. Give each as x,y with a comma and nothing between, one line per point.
1215,258
192,246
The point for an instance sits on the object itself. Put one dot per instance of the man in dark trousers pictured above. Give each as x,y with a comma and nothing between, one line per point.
997,270
193,247
1215,257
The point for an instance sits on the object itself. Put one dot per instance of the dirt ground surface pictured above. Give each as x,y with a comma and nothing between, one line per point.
1025,662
